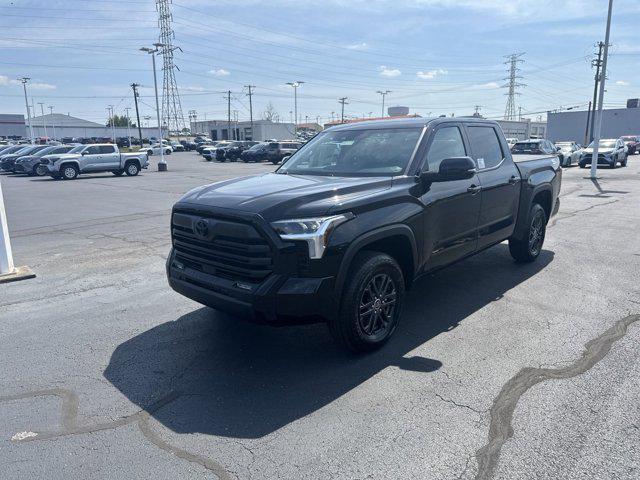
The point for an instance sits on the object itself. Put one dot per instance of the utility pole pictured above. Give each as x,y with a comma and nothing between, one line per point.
53,123
596,63
236,134
228,98
250,94
384,94
44,124
295,86
512,61
603,79
162,165
33,109
586,128
135,86
343,101
128,126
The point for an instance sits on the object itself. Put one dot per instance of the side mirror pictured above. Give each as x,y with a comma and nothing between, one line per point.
455,168
84,152
284,159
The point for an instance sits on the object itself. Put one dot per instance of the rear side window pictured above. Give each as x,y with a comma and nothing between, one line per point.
93,150
486,146
107,149
447,143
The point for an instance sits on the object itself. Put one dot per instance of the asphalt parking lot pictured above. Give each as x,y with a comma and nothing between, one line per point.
498,370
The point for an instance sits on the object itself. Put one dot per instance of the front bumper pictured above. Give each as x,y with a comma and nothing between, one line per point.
602,160
279,300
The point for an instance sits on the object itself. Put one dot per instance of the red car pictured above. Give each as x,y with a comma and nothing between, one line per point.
632,142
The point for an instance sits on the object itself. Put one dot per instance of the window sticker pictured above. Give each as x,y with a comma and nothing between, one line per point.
481,163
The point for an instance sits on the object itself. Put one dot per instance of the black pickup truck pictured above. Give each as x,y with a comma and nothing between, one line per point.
344,227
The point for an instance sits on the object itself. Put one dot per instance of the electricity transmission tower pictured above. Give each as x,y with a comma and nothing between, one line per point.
171,107
512,61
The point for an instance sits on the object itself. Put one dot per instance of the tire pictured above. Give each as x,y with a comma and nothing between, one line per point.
527,250
132,169
34,171
373,276
41,171
69,172
118,173
582,165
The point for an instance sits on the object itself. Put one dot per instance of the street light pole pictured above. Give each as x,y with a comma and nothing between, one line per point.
384,94
44,124
162,165
596,137
24,81
53,123
295,86
128,126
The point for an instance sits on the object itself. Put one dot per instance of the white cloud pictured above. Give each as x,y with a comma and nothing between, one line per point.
192,88
488,85
219,72
431,74
623,83
389,72
358,46
7,82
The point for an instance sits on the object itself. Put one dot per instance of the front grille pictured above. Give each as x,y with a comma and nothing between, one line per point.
229,249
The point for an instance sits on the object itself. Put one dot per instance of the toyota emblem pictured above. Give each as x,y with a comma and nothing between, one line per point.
202,228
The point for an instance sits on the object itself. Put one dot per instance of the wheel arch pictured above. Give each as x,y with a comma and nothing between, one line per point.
397,241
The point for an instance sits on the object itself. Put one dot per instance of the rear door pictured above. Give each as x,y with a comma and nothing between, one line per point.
452,207
109,157
500,181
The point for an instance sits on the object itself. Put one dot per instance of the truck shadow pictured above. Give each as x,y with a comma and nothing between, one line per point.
240,380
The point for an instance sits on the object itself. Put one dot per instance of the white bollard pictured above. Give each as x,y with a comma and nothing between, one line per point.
8,272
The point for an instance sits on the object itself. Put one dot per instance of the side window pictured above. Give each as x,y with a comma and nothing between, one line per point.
93,150
107,149
486,146
447,143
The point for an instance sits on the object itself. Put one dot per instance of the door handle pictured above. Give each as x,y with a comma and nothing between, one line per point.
513,179
473,189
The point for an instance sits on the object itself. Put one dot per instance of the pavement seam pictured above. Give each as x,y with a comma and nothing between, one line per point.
504,405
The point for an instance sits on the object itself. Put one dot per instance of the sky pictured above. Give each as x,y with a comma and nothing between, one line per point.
437,57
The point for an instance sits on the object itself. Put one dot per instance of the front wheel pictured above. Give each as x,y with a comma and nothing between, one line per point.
372,302
69,172
529,248
132,169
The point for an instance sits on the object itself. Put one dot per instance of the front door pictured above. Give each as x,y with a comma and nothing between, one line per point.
90,159
451,207
500,180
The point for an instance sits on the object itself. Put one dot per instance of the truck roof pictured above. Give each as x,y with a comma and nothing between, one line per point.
409,123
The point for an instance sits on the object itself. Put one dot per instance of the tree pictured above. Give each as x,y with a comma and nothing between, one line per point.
271,114
119,121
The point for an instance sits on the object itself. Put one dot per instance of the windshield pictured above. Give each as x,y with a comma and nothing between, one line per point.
77,149
604,144
258,147
375,152
44,151
528,147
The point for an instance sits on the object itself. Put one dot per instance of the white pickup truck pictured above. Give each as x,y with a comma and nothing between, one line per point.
103,157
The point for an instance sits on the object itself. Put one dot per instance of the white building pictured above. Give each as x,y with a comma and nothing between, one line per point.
262,130
11,125
572,125
523,129
59,126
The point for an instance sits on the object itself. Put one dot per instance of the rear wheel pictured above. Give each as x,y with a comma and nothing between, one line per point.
529,248
371,305
69,172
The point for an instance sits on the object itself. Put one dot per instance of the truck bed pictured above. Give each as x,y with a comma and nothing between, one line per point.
523,157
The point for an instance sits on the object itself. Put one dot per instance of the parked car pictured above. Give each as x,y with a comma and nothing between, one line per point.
210,152
188,145
568,152
11,149
610,152
8,162
177,146
231,150
205,145
633,143
202,139
104,157
537,146
511,141
345,226
30,164
154,149
272,152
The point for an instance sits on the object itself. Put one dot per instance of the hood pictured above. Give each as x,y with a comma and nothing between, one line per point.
26,158
276,196
600,150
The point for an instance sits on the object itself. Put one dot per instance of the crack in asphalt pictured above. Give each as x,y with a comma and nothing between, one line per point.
501,413
70,404
573,213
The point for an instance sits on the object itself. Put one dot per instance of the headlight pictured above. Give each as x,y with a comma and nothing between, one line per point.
315,231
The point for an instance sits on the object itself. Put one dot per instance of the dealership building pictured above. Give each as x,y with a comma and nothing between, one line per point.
11,125
572,125
262,130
